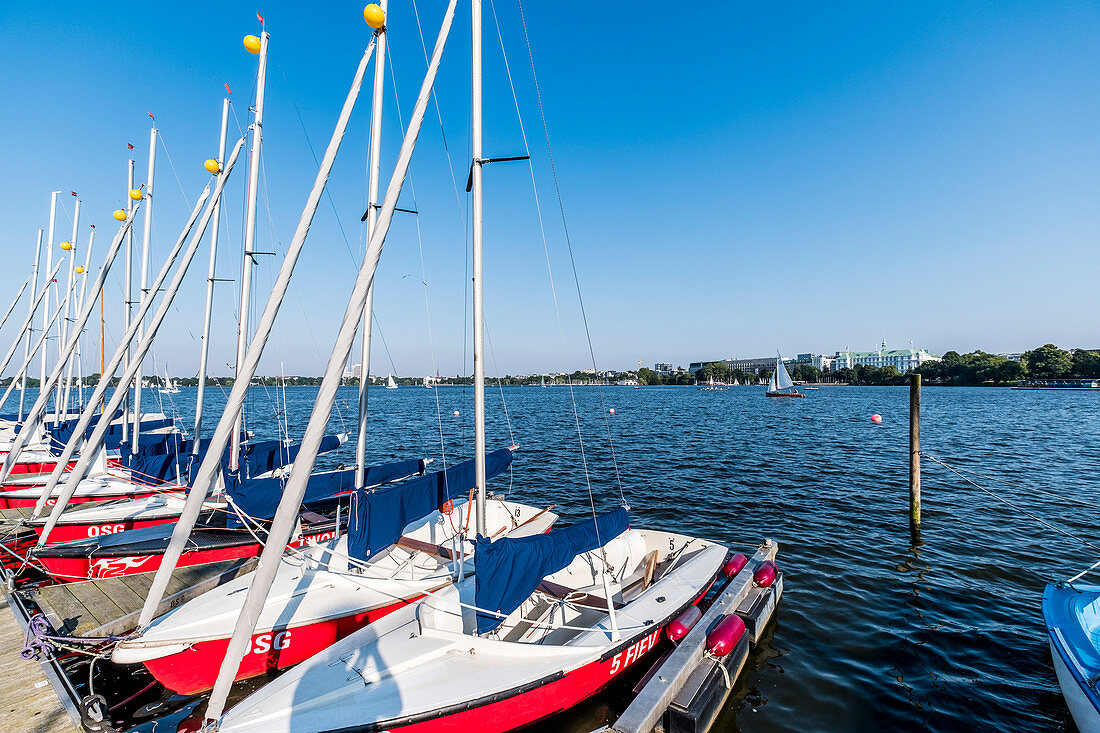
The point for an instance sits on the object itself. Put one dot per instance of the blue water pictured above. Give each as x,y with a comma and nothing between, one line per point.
873,634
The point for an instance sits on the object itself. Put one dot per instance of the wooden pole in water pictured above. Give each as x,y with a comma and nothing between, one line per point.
914,455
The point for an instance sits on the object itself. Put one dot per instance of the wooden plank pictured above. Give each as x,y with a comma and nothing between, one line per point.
100,607
643,714
125,597
63,610
30,702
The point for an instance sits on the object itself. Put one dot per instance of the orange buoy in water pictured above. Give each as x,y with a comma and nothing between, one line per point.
876,418
612,411
456,413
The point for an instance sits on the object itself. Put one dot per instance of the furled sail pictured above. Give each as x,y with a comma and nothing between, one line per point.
259,498
378,517
509,570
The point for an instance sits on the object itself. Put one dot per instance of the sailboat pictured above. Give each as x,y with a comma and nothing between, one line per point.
170,386
390,383
1070,610
781,384
546,622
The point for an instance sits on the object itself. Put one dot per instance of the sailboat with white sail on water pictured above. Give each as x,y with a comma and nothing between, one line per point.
390,383
781,384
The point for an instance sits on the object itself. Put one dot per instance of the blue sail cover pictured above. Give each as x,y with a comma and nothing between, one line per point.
509,570
259,498
378,517
61,433
267,455
158,455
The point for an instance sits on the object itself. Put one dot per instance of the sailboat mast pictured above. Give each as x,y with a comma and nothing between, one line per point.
478,274
372,217
145,271
75,365
61,405
204,354
46,302
30,315
127,301
249,235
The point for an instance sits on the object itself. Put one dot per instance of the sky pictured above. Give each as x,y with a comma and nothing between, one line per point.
735,179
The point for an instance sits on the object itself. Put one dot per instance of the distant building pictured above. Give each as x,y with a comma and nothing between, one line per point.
662,367
903,360
754,366
751,366
1014,356
355,371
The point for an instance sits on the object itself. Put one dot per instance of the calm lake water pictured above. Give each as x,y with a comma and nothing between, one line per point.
873,634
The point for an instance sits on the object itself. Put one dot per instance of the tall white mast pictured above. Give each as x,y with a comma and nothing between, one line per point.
372,217
210,280
479,292
145,271
30,315
250,230
49,268
75,359
127,296
60,406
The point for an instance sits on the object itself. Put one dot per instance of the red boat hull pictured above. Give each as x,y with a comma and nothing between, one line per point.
195,670
26,502
514,709
66,569
70,532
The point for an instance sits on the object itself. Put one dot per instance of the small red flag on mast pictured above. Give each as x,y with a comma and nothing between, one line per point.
227,89
260,17
131,147
73,193
154,119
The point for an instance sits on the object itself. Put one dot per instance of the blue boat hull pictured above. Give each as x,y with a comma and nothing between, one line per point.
1072,618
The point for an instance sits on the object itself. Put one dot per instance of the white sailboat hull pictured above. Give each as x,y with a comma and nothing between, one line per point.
421,668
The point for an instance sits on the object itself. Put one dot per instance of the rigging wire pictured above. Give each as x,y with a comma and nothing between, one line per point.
564,223
1015,507
423,275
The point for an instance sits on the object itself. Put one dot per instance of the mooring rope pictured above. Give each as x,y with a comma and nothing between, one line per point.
1017,508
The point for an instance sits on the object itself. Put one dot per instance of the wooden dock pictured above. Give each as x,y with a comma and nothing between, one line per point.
32,697
687,663
36,696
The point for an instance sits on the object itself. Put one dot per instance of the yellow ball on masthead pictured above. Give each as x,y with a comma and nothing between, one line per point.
120,215
252,44
212,165
79,270
66,246
375,16
135,194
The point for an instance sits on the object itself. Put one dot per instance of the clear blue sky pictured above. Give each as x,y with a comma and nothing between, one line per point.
737,179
